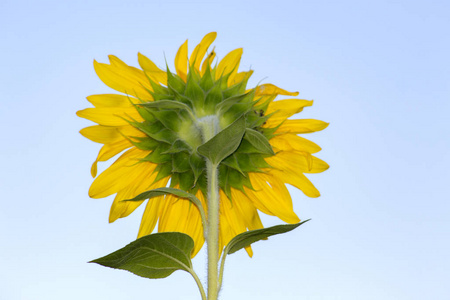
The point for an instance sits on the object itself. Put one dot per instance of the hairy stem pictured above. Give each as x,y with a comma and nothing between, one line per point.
210,127
213,231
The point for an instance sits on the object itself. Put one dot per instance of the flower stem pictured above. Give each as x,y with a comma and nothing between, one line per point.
209,127
213,230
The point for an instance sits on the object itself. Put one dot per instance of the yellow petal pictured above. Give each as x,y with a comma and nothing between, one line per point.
296,161
181,61
101,134
226,233
229,64
123,78
234,220
270,89
182,216
108,151
152,210
271,192
301,126
208,61
298,180
246,209
291,141
150,68
150,216
239,77
121,209
110,116
200,51
111,100
120,174
283,109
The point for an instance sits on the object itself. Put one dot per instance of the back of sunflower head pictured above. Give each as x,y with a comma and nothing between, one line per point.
206,151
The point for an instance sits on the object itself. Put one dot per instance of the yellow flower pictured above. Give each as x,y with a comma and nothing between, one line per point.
153,122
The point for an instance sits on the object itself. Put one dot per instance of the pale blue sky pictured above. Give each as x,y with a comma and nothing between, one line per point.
378,71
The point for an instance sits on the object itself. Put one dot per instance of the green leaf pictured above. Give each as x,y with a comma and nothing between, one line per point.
249,237
259,141
153,256
224,143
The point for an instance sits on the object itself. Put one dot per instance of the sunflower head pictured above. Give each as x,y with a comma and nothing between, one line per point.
160,118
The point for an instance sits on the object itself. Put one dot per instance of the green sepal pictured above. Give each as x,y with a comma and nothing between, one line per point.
237,180
259,141
258,161
157,131
163,170
159,91
237,110
186,180
249,237
169,118
224,143
153,256
223,183
197,165
144,112
223,81
193,90
207,81
236,89
178,146
226,104
256,119
175,83
232,162
144,143
213,97
157,156
166,104
180,162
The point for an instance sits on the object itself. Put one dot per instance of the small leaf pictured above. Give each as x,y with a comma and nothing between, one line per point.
224,143
259,141
153,256
249,237
164,191
177,192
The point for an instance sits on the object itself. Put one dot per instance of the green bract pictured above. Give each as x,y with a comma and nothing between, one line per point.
172,124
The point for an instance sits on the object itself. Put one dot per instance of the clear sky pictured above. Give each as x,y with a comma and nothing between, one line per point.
379,72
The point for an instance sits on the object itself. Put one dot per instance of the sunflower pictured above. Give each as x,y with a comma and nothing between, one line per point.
154,125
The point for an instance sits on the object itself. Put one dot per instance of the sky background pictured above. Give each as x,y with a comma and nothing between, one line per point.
379,72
